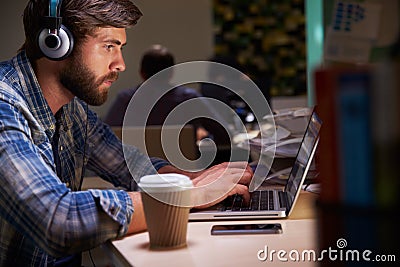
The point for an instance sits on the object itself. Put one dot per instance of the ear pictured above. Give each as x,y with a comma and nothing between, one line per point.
56,46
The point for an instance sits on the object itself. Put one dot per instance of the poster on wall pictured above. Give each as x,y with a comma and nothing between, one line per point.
353,31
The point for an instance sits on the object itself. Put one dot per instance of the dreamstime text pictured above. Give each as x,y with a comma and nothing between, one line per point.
332,254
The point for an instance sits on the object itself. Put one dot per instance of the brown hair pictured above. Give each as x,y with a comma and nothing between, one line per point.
81,17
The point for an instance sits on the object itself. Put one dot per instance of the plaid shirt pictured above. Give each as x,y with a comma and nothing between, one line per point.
43,213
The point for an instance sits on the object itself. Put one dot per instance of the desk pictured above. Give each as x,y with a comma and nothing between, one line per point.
206,250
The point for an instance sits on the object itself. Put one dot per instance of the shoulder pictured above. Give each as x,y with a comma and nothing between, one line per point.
10,86
6,69
14,109
9,75
10,99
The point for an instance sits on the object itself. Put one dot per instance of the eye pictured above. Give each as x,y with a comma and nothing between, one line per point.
109,47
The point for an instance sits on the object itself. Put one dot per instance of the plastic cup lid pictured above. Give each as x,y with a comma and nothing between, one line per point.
165,182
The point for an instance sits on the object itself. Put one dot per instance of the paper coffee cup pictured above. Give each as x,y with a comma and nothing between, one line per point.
166,202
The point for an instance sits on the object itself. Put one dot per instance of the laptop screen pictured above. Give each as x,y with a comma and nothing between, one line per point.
303,159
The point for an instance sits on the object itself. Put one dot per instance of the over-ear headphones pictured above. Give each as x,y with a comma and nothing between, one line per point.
55,40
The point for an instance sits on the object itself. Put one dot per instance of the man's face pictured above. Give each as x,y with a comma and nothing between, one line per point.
95,65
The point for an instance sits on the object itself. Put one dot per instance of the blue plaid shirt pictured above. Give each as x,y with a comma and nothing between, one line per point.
43,213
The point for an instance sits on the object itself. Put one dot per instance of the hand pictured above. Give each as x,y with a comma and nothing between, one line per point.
216,183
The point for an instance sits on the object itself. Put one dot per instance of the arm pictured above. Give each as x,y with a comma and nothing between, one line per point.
121,165
38,205
138,222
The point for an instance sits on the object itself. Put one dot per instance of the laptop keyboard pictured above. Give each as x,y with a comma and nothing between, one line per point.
260,200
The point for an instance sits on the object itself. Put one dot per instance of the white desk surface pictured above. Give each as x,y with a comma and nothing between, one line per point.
203,249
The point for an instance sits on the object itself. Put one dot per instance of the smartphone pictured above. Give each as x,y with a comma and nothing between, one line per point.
246,229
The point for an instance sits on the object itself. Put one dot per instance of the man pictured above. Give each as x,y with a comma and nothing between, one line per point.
155,59
48,136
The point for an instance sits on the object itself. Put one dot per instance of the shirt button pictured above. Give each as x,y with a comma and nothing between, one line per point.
61,148
112,211
67,184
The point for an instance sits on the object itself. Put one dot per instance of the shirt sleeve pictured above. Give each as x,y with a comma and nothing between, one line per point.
159,163
121,165
38,204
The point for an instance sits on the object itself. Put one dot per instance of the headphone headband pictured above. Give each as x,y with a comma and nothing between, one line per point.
53,21
54,10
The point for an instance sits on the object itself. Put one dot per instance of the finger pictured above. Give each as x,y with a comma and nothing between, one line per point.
224,171
245,176
231,164
207,194
241,190
249,169
235,175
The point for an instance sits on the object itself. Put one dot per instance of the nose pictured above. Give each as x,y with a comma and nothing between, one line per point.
118,64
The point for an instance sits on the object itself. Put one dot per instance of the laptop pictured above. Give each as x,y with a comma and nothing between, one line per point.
269,203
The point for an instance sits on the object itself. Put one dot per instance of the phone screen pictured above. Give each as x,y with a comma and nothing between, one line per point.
245,229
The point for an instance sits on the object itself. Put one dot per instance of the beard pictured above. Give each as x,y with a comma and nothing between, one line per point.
82,83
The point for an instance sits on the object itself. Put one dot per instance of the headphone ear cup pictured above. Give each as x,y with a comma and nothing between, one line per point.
56,46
